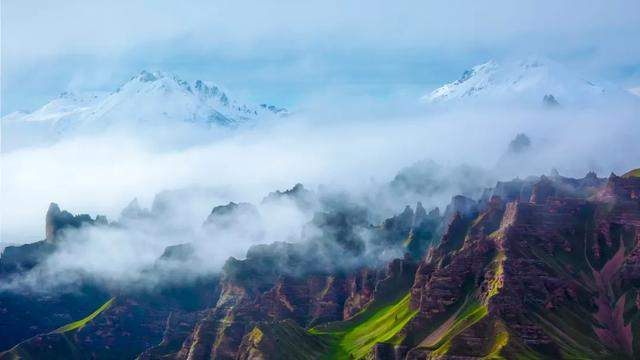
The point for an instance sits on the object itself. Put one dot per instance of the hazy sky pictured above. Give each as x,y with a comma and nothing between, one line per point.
286,51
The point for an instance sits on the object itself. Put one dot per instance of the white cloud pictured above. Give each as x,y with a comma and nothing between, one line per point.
342,147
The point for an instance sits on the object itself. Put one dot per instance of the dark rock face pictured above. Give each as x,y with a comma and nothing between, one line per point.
25,257
443,278
24,315
15,259
415,230
225,216
550,101
620,188
461,205
145,324
359,291
58,220
298,195
519,144
178,327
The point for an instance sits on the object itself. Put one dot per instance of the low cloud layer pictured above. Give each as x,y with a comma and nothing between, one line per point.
102,173
356,153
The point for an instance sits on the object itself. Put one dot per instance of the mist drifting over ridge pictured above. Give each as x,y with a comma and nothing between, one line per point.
356,153
319,180
354,147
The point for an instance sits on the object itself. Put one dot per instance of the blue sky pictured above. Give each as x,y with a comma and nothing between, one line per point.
285,52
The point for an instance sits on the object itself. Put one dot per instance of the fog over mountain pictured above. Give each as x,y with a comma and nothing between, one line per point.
159,133
314,180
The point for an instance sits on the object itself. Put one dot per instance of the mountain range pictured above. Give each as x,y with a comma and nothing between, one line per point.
147,99
546,267
158,99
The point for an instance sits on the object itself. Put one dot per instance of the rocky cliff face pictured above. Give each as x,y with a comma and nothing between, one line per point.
551,278
21,258
247,302
546,267
58,220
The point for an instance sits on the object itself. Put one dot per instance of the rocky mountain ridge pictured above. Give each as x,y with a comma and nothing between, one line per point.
545,267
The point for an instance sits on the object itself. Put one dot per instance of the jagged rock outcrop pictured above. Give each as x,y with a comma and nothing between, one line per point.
58,220
550,101
21,258
621,188
415,230
133,211
232,214
298,195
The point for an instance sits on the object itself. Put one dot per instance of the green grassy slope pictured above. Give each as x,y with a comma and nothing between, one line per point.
632,173
472,312
466,314
82,322
59,345
355,338
284,340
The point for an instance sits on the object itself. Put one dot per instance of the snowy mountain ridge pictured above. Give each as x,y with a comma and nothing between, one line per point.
527,80
147,98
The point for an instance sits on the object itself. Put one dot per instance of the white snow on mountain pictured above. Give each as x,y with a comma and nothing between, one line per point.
149,98
67,104
528,81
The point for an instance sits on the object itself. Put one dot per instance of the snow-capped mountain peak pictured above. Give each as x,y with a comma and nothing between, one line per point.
147,98
528,80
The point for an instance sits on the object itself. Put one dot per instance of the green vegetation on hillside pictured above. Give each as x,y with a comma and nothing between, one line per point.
472,312
82,322
501,340
286,340
356,337
632,173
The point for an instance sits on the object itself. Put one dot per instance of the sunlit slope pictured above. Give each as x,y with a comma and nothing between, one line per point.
82,322
632,173
378,324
